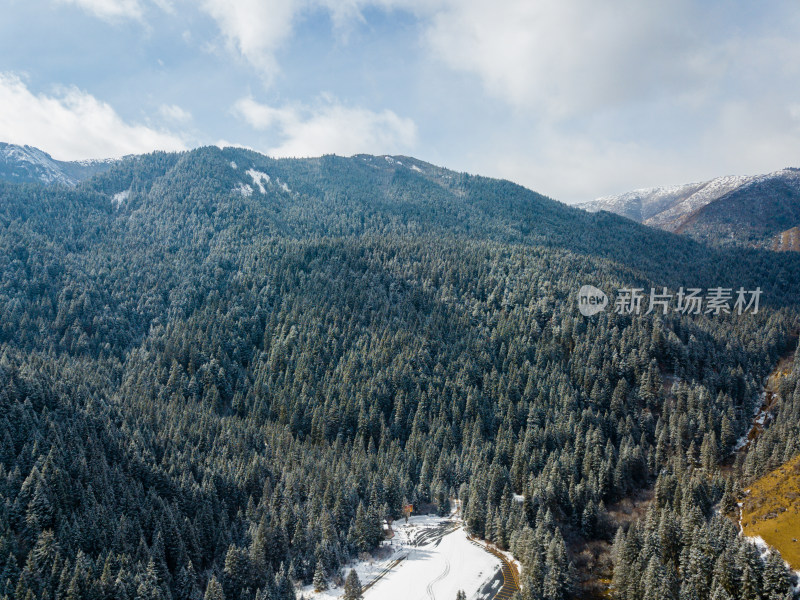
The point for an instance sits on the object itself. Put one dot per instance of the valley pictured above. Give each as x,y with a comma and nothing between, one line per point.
221,373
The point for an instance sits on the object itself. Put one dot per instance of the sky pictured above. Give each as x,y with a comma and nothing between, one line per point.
572,98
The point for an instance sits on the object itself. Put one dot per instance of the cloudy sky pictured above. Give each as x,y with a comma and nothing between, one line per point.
572,98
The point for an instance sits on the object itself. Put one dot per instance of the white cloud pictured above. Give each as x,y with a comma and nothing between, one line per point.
579,168
223,143
174,113
555,57
740,139
329,127
794,112
256,28
261,116
72,124
752,136
110,10
555,54
615,95
563,56
119,10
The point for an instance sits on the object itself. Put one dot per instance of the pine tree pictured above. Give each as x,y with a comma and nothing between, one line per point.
149,588
236,574
214,590
320,582
718,592
728,502
352,586
40,509
776,577
186,584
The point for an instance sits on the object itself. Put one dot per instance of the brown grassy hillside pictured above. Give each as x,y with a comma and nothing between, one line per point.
788,241
772,510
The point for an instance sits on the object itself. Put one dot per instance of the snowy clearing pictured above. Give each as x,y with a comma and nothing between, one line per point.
259,178
430,558
244,189
119,198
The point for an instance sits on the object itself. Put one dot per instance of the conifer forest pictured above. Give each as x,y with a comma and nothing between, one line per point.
221,373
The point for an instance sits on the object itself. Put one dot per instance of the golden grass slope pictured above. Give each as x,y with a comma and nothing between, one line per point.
787,241
772,510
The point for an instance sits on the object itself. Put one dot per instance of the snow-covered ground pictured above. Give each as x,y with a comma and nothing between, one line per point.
260,179
429,558
119,198
244,189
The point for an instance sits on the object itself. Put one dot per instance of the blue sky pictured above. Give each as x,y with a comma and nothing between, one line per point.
572,98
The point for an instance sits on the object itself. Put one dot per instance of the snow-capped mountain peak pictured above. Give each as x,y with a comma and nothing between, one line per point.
749,209
26,164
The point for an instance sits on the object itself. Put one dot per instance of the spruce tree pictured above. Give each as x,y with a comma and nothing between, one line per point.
320,581
214,590
352,586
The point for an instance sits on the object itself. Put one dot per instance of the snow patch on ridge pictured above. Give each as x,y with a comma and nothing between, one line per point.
260,179
244,189
119,198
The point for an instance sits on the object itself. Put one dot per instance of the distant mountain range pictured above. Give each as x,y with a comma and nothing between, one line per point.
760,211
26,164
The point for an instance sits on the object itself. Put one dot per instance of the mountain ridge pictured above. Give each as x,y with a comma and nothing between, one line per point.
28,164
747,210
380,195
383,195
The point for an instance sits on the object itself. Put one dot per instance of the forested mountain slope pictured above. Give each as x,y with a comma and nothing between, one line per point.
216,365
